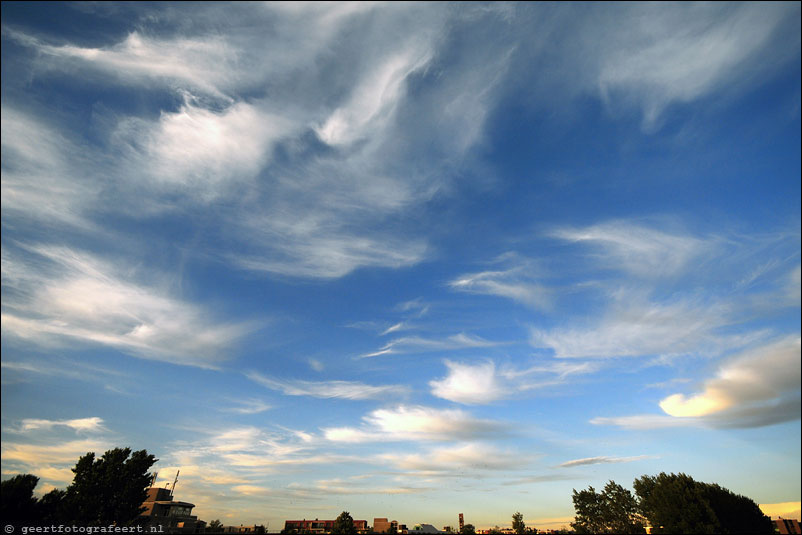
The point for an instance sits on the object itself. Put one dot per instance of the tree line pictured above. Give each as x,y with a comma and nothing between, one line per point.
669,503
106,490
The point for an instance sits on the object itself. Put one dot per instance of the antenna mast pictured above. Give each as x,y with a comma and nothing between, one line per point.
172,491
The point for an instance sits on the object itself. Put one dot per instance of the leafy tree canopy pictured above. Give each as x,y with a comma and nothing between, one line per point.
104,491
518,525
671,503
344,525
468,529
613,510
18,503
675,503
110,489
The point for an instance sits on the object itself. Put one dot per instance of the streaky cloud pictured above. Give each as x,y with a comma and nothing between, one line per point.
328,389
603,460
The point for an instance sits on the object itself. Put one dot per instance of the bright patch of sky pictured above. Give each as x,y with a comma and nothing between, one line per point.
405,260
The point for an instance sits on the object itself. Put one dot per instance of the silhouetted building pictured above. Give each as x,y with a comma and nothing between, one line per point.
168,515
785,525
320,526
461,522
425,529
382,525
258,530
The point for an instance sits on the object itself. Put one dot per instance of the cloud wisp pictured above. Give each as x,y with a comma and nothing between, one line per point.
418,344
417,423
58,297
603,460
328,389
518,282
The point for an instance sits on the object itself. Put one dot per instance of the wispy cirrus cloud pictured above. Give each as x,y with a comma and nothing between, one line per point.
93,424
352,486
634,326
603,460
48,448
651,66
459,458
194,63
328,389
59,296
42,178
35,457
639,250
413,423
517,283
418,344
248,406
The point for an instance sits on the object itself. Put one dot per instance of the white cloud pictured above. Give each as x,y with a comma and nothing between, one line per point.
206,64
199,152
413,423
42,183
757,388
640,250
482,382
249,406
318,252
515,283
645,421
417,344
760,375
681,53
328,389
351,486
75,297
632,327
375,97
471,456
467,383
93,424
34,456
603,460
316,213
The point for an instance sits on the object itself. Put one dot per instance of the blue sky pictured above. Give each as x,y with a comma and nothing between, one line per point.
405,260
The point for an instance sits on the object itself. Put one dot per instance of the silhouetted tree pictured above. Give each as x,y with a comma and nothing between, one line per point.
518,525
53,508
675,503
215,525
344,525
614,510
18,504
736,513
110,489
468,529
